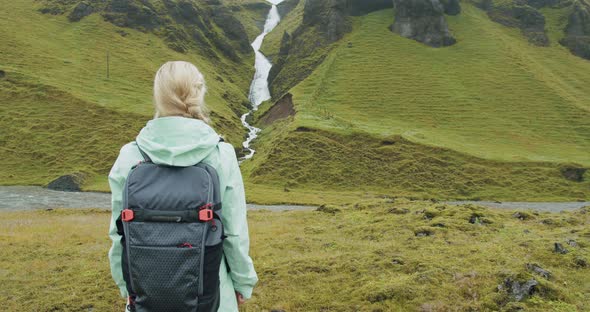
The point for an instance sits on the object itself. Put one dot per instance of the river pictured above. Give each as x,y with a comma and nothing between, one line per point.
35,197
259,91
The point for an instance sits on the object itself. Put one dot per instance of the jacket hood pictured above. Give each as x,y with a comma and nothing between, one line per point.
177,141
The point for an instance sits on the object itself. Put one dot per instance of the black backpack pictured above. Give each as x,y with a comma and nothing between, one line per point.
172,237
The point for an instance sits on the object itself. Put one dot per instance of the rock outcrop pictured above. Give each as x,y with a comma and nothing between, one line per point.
81,10
330,17
210,26
67,183
530,21
518,290
577,31
362,7
287,6
573,173
423,21
451,7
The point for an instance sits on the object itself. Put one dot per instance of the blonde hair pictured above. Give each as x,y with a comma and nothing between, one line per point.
179,90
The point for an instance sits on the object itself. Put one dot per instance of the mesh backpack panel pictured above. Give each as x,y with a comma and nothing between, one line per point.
171,248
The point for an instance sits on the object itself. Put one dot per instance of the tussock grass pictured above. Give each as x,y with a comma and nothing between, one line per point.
307,159
365,256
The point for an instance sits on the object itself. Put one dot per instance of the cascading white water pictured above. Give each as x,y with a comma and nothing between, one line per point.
259,91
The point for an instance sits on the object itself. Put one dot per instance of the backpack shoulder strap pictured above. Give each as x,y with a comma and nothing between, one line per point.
143,154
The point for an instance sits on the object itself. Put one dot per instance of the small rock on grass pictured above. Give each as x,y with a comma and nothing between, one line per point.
538,270
558,248
328,209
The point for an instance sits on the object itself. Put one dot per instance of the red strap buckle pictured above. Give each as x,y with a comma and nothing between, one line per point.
127,215
206,215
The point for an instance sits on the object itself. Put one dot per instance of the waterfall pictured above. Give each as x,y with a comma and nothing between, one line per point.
259,91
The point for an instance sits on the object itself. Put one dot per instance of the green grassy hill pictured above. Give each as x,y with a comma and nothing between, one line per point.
387,113
59,113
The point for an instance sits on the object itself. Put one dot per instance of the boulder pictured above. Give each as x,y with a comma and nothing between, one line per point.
67,183
81,10
573,173
423,21
558,248
518,290
538,270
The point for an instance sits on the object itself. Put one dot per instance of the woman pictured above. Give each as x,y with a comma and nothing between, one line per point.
179,135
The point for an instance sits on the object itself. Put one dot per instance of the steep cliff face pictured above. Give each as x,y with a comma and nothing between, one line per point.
330,17
362,7
577,31
210,26
529,19
423,21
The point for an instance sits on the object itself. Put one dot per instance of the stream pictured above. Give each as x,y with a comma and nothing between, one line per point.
35,197
259,91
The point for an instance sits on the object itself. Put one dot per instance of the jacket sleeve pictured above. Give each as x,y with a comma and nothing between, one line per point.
116,181
237,244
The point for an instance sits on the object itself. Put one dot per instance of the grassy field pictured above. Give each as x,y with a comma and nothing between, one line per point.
375,255
491,117
56,71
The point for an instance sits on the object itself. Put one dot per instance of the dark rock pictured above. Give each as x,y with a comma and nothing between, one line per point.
518,290
53,10
540,3
423,232
328,209
522,215
277,310
530,21
329,16
532,24
399,211
81,10
122,32
231,27
538,270
129,13
451,7
362,7
67,183
573,173
286,7
558,248
578,45
572,242
423,21
282,57
580,262
2,74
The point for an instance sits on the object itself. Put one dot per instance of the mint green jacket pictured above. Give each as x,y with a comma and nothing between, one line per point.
180,141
